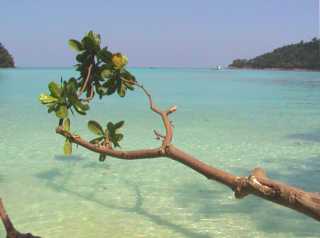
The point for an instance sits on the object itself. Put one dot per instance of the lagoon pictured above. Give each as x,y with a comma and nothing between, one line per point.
232,119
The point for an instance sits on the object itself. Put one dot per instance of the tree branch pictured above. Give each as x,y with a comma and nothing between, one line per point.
164,116
257,183
11,231
84,86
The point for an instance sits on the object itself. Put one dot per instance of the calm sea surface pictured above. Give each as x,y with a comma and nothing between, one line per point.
235,120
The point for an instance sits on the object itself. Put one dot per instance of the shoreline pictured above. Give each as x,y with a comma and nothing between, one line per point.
276,69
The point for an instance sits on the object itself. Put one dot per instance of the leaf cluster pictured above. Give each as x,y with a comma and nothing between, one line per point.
108,73
63,97
101,72
106,137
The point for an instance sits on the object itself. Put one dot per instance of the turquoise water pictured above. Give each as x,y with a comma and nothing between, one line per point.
235,120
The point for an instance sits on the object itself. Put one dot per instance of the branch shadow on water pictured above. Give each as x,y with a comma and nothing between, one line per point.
50,176
312,136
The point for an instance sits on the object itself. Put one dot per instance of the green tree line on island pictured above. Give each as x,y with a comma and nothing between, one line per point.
303,55
6,60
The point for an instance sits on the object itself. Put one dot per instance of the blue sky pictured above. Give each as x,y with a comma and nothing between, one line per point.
175,33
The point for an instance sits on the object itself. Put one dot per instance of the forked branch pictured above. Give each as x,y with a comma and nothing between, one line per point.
257,183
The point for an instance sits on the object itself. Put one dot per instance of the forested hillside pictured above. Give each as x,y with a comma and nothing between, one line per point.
6,60
303,55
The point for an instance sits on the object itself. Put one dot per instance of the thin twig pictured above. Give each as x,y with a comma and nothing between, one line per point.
84,86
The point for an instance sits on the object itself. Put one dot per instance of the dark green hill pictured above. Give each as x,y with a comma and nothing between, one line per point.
303,55
6,60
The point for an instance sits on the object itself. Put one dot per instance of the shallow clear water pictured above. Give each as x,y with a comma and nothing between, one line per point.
235,120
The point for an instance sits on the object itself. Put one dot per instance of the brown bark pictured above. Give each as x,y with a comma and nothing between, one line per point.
10,229
257,183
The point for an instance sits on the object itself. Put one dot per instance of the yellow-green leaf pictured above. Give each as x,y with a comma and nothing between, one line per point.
67,148
46,99
106,73
54,89
62,111
66,124
76,45
95,128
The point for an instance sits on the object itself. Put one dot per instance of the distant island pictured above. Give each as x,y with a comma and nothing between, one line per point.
303,55
6,60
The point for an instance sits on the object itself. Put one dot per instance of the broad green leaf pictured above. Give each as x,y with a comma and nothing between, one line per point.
90,44
110,128
54,89
78,105
118,125
66,124
62,111
105,55
106,73
95,128
76,45
67,148
127,75
46,99
129,84
84,57
95,37
72,86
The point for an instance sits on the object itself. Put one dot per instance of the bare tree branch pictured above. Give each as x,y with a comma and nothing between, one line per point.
257,183
10,229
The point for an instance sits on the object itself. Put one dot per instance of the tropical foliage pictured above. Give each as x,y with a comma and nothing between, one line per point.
6,60
304,55
101,73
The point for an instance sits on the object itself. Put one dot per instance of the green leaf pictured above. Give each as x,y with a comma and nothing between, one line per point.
78,105
91,43
106,73
96,140
110,128
72,86
95,128
46,99
118,125
62,111
95,37
66,124
105,55
129,84
54,89
75,45
84,57
67,148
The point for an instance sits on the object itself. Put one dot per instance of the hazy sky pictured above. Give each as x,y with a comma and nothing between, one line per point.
196,33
